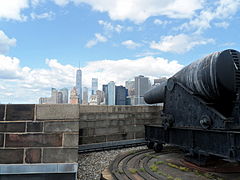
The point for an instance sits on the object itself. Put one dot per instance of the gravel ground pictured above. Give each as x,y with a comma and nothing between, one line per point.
90,165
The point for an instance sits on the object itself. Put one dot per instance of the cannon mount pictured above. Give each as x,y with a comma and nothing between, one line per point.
202,129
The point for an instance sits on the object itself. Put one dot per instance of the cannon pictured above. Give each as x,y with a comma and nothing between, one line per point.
201,109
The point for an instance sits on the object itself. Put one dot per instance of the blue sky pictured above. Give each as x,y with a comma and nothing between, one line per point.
42,42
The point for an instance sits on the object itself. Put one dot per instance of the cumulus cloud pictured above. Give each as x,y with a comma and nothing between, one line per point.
130,44
31,84
220,10
222,24
61,2
109,27
47,15
12,9
161,22
139,10
6,42
98,38
180,43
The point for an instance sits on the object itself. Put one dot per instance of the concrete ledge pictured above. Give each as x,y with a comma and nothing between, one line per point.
38,168
110,145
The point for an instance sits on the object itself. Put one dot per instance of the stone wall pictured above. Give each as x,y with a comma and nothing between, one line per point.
31,134
113,123
44,139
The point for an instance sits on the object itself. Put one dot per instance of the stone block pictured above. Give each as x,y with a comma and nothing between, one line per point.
116,137
83,124
86,140
70,140
34,126
130,135
57,111
11,156
99,139
102,123
140,134
2,111
33,155
91,131
91,124
83,132
33,140
60,155
93,109
83,117
113,123
1,140
106,131
61,126
17,112
12,126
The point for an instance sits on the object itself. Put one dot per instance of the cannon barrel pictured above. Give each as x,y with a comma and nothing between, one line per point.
214,77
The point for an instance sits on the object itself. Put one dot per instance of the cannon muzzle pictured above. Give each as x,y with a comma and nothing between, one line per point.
214,77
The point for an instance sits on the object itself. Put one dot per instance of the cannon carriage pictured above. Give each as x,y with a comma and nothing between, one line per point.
201,109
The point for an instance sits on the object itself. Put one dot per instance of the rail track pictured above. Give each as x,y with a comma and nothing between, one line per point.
148,165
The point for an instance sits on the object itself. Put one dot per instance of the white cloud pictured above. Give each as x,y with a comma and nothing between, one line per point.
179,44
139,10
6,42
130,44
161,22
11,9
220,10
109,27
47,15
222,24
35,3
31,84
61,2
98,38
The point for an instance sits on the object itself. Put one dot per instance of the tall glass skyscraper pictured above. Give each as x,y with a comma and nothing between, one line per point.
79,85
111,93
94,85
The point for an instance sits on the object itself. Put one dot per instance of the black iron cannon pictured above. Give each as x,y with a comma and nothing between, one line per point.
201,108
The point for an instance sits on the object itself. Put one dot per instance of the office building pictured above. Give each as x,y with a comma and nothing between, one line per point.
64,92
94,100
85,96
159,81
120,95
74,96
130,87
94,85
105,91
111,93
142,84
79,85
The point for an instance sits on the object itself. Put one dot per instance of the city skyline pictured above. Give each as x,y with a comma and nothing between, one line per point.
42,41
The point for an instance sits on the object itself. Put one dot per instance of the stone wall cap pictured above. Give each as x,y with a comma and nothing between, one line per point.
38,168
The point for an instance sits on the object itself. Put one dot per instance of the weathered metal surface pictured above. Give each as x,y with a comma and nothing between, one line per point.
201,108
211,77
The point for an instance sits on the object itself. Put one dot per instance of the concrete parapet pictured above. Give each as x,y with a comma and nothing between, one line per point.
57,111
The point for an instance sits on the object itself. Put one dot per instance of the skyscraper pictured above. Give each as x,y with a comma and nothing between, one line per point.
64,92
105,90
142,85
79,85
94,85
120,95
73,96
54,96
85,96
111,93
